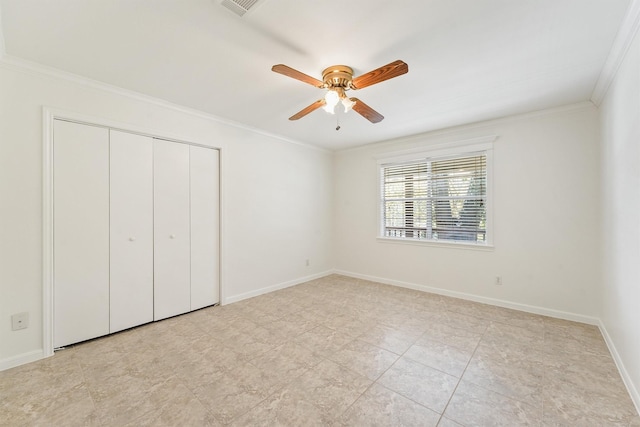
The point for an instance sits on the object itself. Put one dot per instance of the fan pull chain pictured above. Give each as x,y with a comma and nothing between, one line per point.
337,121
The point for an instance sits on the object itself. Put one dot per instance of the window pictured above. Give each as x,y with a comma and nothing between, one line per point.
442,198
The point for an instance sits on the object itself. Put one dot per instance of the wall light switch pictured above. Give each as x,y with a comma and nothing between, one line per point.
19,321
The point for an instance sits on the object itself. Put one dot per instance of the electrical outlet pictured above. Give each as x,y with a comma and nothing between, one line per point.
499,280
19,321
307,263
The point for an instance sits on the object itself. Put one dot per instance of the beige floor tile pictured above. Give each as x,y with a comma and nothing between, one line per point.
435,354
261,316
313,315
552,324
348,324
227,314
365,312
388,338
431,303
464,321
57,373
321,314
198,369
235,392
155,368
291,325
472,405
416,325
586,371
586,404
244,324
330,387
70,407
502,332
21,412
515,377
252,343
446,422
580,339
323,340
285,363
422,384
41,406
365,359
175,404
184,327
393,316
284,409
100,354
471,308
269,360
508,348
124,398
462,339
517,318
379,406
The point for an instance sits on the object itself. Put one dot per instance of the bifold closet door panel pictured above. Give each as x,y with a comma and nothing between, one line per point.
131,283
81,232
171,229
205,197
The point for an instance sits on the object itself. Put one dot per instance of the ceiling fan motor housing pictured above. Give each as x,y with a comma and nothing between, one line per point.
337,76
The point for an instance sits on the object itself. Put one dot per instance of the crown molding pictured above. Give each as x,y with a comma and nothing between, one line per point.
441,135
619,49
24,66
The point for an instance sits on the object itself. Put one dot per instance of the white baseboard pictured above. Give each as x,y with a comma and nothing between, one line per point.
631,388
476,298
278,286
21,359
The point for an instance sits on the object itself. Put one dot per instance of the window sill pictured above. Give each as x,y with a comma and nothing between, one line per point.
449,245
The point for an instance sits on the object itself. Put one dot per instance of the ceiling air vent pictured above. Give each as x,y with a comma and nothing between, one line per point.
239,7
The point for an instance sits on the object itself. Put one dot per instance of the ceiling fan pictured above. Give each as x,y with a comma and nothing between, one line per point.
338,79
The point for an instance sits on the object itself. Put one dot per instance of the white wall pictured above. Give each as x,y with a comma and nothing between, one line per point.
546,218
620,117
266,237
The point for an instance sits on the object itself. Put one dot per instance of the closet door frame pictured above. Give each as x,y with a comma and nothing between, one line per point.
50,114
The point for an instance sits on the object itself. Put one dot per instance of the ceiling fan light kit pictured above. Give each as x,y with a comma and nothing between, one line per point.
338,79
331,99
335,96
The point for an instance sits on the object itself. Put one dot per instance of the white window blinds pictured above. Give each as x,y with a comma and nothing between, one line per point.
439,199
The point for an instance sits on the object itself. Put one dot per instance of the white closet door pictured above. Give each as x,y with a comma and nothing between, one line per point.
171,229
131,282
205,184
81,232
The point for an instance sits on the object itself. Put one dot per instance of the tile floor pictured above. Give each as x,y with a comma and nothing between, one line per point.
333,351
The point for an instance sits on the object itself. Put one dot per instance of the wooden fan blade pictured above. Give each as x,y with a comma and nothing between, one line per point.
365,111
319,103
389,71
295,74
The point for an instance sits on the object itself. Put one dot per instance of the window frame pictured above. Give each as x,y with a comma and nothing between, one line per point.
482,145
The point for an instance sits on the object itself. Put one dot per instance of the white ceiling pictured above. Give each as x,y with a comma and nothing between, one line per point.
469,60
